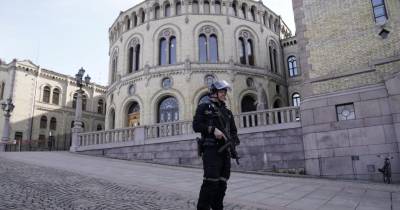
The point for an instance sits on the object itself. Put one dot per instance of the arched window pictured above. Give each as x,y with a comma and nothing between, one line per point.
43,122
250,52
114,64
167,10
296,99
246,48
242,51
156,12
244,11
99,127
112,119
202,48
163,52
270,22
134,19
53,123
265,19
195,7
292,66
56,96
213,48
2,90
128,23
248,104
208,45
217,7
273,57
142,16
277,103
234,8
134,115
168,110
206,7
276,26
167,47
178,8
84,101
204,99
137,57
46,94
172,50
253,13
133,55
100,105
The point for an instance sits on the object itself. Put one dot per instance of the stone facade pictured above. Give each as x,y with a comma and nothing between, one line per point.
34,93
264,84
278,150
350,63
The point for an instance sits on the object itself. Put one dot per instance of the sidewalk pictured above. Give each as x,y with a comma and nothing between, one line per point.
247,191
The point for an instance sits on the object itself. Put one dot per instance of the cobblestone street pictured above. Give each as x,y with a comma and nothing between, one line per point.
61,180
24,186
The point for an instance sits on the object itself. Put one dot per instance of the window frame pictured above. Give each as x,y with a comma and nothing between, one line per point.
385,15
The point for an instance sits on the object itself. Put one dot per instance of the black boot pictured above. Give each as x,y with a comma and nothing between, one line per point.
208,192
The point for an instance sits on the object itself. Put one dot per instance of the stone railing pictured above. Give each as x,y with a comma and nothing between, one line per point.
168,129
106,137
139,135
267,117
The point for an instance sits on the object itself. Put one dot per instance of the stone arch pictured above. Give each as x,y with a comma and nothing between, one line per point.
256,42
156,37
125,108
133,40
41,92
220,38
160,95
269,42
244,93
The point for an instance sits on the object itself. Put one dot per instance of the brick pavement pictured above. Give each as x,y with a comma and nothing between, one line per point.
61,180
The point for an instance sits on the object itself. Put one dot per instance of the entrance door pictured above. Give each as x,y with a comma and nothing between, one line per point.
134,119
134,115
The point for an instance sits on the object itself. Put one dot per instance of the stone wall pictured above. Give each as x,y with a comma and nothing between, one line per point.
350,148
279,150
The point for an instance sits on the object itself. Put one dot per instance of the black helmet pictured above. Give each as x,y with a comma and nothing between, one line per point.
219,85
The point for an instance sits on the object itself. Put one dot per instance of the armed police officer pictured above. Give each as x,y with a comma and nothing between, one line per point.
219,137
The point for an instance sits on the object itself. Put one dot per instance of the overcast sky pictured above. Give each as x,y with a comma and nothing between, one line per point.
64,35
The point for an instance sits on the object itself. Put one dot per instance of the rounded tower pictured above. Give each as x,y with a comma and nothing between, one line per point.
164,54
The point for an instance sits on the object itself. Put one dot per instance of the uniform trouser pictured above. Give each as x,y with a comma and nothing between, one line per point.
216,172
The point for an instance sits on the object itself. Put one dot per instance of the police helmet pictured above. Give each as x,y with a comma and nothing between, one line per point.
219,85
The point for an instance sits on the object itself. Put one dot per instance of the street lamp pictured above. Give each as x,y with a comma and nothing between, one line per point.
78,110
7,107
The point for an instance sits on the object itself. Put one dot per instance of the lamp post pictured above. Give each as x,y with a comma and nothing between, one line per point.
78,111
7,107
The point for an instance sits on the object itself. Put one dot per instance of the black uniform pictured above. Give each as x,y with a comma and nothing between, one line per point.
216,165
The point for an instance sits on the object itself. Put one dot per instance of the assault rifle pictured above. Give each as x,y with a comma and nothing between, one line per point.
231,146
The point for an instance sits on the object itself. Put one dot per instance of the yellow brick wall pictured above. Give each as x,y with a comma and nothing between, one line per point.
343,38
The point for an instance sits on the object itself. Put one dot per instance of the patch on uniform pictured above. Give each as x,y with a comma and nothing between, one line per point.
207,112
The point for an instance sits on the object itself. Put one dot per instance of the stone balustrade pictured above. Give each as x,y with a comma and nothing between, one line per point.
168,129
139,135
267,117
106,137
